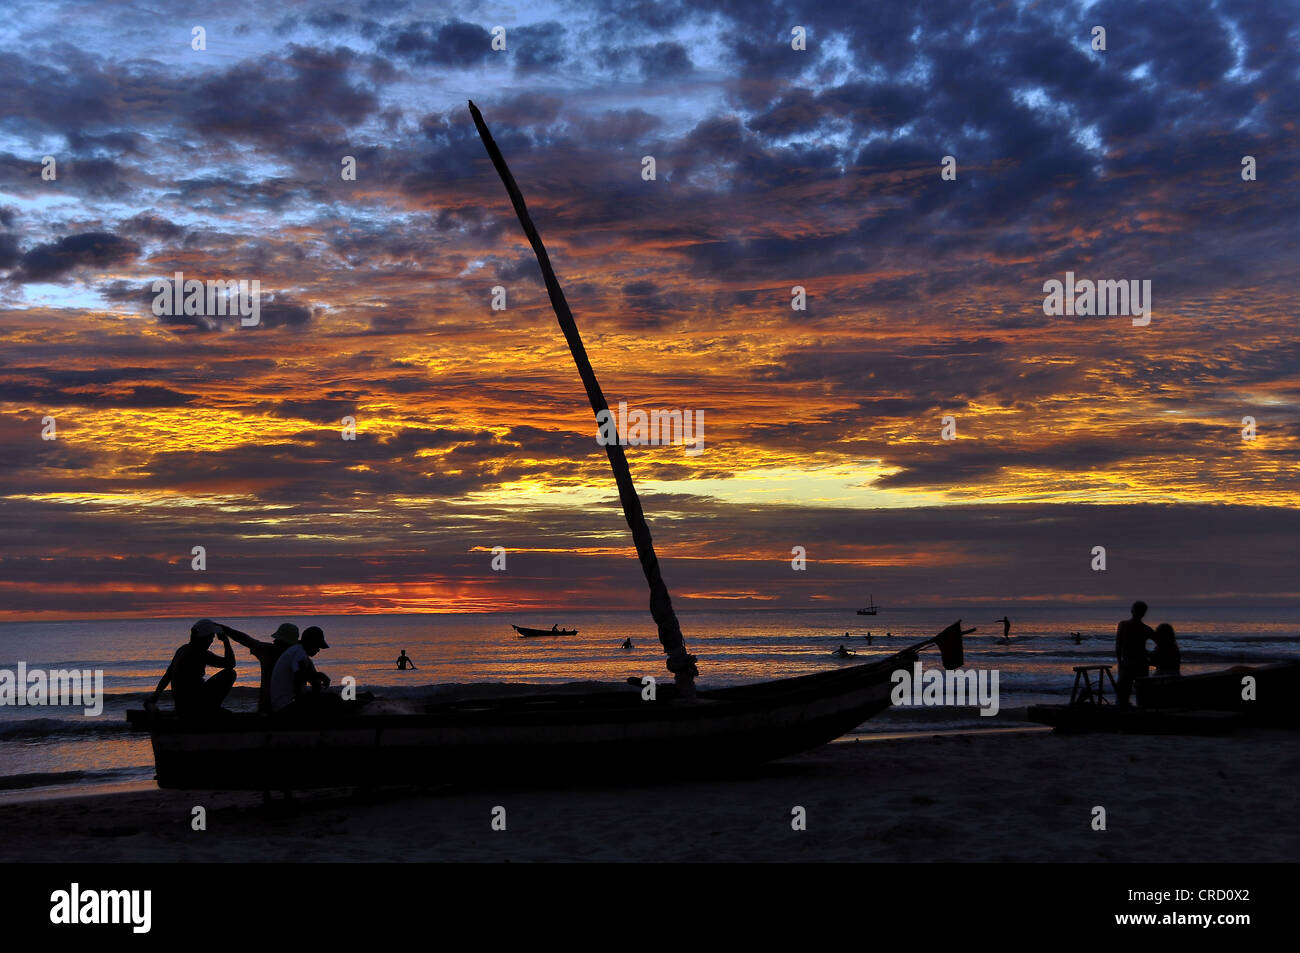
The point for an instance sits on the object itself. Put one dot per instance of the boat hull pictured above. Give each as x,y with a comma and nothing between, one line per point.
525,740
1112,718
528,633
1277,689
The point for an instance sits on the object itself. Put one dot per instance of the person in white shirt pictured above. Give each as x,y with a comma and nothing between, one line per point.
294,672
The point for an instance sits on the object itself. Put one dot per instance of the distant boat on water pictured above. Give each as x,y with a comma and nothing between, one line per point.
871,607
527,633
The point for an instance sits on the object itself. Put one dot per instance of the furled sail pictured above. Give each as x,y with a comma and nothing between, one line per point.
679,661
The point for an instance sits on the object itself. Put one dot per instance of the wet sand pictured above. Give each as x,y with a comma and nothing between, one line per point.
971,797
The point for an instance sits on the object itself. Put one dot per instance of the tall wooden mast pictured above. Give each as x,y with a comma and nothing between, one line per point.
680,662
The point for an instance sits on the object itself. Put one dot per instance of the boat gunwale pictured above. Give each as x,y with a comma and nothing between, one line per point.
767,697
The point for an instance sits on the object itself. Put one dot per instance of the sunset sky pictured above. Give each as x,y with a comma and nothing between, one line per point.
775,168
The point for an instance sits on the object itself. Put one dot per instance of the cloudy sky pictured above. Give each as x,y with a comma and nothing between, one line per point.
775,167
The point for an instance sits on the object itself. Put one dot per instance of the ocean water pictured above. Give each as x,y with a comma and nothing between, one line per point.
51,747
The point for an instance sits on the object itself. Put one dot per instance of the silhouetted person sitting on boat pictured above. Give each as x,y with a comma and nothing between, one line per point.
555,628
404,661
267,653
1131,638
627,644
296,687
1165,656
194,697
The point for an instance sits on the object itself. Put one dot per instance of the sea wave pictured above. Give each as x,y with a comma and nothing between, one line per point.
46,727
14,782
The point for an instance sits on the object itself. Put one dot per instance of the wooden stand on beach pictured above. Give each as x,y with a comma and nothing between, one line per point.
1084,692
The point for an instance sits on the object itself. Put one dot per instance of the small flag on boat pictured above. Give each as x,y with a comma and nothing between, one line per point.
949,642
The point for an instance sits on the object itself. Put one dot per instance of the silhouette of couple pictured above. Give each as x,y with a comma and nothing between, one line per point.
1131,638
290,682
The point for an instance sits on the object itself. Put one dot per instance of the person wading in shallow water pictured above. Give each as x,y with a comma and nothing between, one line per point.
404,661
194,697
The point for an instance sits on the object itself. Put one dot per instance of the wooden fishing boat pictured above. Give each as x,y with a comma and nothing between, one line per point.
1276,691
1134,721
529,739
1206,704
522,739
527,633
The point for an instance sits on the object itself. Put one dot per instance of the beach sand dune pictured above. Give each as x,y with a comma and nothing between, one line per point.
994,797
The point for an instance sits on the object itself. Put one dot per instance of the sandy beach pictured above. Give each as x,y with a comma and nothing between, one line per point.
966,797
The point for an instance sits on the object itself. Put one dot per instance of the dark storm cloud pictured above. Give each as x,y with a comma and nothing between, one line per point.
528,109
260,101
329,409
454,43
10,254
135,395
279,311
645,304
152,225
318,466
664,61
120,142
617,128
537,46
274,311
95,251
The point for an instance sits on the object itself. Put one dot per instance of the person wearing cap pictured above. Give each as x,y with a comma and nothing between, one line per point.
294,673
193,696
267,653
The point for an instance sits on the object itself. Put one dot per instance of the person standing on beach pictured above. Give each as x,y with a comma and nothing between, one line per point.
1131,637
1165,656
267,653
194,697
